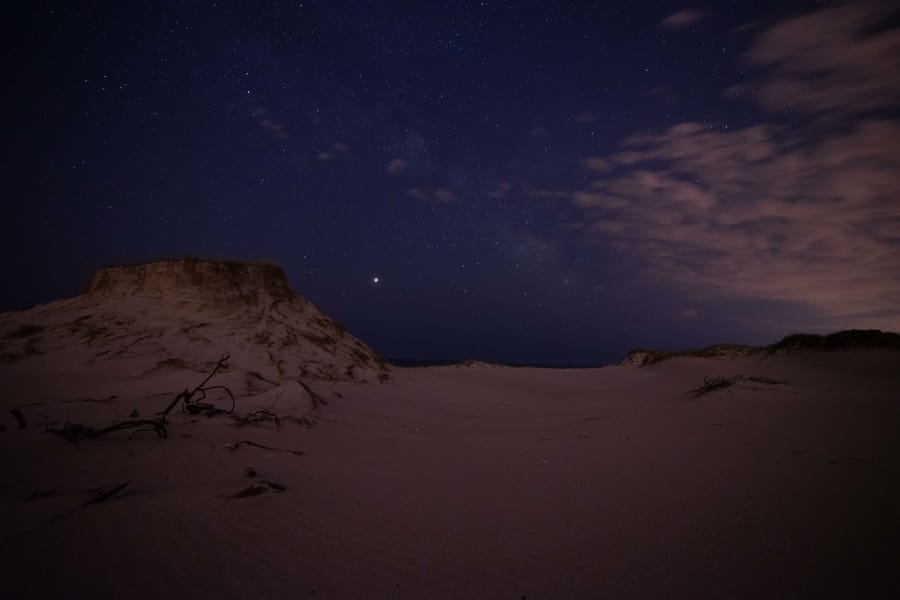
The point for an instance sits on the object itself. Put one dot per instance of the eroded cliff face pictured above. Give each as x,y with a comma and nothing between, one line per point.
207,284
185,314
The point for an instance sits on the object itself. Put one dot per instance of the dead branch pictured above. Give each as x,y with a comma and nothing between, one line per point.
233,446
158,425
204,408
307,422
71,431
222,387
75,431
263,416
316,398
257,416
187,396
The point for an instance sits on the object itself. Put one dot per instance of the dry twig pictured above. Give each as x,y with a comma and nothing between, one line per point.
187,396
75,431
233,446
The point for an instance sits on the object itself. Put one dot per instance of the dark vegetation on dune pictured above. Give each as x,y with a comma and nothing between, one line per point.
717,350
850,338
711,384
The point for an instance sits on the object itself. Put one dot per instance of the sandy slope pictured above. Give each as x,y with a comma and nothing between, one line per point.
168,315
482,482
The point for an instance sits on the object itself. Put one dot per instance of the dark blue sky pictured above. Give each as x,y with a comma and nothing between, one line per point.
530,181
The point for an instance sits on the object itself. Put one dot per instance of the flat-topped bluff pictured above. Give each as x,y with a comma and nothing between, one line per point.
192,279
189,312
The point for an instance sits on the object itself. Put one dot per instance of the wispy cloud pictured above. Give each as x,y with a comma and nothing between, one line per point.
833,60
396,166
439,195
334,152
586,117
803,213
750,213
265,120
545,193
501,191
682,19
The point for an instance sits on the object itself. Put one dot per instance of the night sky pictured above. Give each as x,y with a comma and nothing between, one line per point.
550,182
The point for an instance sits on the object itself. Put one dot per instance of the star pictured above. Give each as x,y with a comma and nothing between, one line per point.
375,280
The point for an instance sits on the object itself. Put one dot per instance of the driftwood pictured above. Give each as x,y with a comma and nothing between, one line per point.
157,425
192,402
75,431
233,446
189,404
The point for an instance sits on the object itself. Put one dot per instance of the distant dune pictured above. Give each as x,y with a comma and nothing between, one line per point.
851,338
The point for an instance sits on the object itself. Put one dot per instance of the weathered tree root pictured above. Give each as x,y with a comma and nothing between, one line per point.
189,404
267,416
233,446
316,398
75,431
257,416
307,422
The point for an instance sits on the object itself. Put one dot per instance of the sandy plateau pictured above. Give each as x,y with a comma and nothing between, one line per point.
476,481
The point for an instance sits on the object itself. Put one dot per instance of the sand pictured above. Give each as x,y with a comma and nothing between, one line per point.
470,482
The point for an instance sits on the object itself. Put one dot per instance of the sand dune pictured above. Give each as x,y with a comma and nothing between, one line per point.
724,472
147,319
480,482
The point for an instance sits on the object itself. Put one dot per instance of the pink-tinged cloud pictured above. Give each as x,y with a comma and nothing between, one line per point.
439,196
444,195
501,191
335,152
396,166
682,19
836,59
278,130
808,213
754,213
595,163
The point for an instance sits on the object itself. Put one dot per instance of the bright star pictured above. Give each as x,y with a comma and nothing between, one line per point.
374,280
